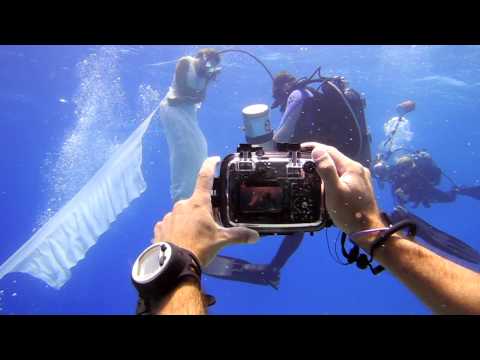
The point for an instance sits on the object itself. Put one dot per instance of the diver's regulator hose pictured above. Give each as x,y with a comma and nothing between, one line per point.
252,56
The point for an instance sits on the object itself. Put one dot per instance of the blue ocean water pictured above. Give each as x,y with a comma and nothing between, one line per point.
65,108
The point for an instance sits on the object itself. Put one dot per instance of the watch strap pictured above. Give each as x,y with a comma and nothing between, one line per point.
184,265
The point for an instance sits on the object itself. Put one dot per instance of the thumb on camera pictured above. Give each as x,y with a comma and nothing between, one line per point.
325,167
240,235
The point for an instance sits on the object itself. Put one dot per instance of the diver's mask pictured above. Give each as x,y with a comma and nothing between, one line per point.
210,68
380,169
281,94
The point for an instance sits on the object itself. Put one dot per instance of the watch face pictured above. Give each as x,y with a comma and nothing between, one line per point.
151,262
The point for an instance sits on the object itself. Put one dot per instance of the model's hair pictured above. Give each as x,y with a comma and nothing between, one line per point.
210,54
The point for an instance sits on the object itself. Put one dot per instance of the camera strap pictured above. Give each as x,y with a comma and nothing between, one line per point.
361,260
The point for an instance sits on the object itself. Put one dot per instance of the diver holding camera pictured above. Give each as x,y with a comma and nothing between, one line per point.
257,193
188,239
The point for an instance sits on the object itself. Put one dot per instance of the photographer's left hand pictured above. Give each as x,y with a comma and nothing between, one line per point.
191,224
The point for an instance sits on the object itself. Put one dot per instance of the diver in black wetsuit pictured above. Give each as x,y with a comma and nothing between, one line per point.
414,178
413,175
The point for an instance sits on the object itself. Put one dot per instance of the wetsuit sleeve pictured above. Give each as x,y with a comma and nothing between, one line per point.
290,117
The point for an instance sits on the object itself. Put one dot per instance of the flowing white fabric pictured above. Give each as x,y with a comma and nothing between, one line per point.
186,142
187,147
65,239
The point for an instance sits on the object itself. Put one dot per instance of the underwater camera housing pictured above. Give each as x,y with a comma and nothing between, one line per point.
276,192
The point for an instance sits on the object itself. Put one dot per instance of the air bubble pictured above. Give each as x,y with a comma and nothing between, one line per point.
14,294
99,107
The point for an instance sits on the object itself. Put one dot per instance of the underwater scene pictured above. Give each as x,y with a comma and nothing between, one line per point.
100,142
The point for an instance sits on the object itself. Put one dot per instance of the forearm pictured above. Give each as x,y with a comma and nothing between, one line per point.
290,117
186,299
445,287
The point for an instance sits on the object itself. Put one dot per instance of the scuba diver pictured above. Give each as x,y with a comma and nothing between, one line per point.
413,175
414,178
317,108
324,110
178,115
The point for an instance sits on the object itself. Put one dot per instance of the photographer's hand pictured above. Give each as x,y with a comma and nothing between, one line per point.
446,287
349,193
191,225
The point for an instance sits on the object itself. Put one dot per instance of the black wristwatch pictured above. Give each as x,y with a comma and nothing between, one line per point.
159,269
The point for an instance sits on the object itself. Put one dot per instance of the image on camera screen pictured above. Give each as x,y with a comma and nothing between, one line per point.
256,198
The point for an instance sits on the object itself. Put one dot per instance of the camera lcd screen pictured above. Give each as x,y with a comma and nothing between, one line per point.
257,198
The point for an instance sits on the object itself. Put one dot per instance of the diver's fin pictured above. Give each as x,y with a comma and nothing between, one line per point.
472,191
438,239
229,268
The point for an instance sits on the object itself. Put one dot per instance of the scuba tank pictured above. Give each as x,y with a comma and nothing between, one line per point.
334,116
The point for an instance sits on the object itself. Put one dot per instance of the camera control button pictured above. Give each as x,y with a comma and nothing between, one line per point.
309,167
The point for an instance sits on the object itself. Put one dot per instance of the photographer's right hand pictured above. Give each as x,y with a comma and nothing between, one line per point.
444,286
349,193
